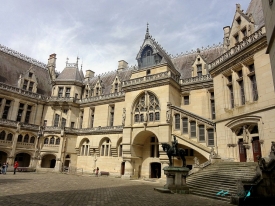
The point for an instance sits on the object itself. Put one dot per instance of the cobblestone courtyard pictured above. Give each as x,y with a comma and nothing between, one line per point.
61,189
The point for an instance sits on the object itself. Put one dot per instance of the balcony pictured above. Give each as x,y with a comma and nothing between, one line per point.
196,79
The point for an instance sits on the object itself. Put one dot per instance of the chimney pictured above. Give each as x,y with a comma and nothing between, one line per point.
238,7
89,74
51,66
122,65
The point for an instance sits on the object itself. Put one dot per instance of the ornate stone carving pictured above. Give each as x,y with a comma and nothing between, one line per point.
123,116
196,162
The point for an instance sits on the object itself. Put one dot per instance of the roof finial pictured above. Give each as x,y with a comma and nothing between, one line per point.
147,35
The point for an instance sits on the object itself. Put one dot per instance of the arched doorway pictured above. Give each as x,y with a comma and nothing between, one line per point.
122,170
3,157
23,159
67,161
155,170
48,161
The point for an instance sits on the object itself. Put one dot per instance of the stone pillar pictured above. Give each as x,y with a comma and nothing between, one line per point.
249,153
128,171
13,147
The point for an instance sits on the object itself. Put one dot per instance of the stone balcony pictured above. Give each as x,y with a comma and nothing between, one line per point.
5,143
14,124
196,79
61,99
102,97
25,145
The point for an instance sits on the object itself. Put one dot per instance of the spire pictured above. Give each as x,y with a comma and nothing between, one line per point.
147,35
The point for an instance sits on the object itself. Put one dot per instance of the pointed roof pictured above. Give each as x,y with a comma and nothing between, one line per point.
70,73
156,47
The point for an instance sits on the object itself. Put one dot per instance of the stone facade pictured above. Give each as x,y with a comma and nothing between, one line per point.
218,98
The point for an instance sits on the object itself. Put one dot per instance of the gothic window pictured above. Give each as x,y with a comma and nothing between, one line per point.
199,70
31,86
32,140
177,121
85,148
56,120
25,84
186,100
67,94
212,103
9,137
26,138
210,133
147,57
20,112
252,78
154,147
92,117
6,109
63,123
57,142
193,128
112,113
28,114
106,148
185,125
147,108
60,91
52,140
201,133
119,148
20,138
2,135
241,85
230,88
116,87
46,141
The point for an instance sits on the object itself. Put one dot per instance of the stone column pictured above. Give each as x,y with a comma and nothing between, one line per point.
249,153
128,171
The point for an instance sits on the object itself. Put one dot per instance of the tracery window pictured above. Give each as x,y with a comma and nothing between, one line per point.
32,140
147,108
57,142
26,138
2,135
106,148
9,137
46,141
52,140
20,138
85,147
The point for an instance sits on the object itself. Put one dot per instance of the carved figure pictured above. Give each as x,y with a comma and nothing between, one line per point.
18,127
168,115
245,134
272,147
212,153
123,116
196,161
174,152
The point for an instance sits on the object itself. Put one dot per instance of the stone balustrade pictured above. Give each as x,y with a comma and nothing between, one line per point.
102,97
150,78
196,79
238,48
61,99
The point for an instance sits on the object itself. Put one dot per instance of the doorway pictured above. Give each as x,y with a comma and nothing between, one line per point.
256,148
155,170
122,169
242,151
23,159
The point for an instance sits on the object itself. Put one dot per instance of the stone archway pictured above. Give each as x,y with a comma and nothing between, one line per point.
23,159
48,161
3,157
145,151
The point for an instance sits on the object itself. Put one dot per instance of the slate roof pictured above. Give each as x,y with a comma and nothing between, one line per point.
256,9
12,66
70,74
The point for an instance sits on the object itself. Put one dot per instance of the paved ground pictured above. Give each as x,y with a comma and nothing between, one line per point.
61,189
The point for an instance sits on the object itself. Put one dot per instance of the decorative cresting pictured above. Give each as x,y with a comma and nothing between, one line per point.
147,108
22,56
102,97
238,48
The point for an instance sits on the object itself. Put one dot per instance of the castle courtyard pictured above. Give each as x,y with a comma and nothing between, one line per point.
61,189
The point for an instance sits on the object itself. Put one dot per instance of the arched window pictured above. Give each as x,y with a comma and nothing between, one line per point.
154,147
57,142
32,140
2,135
26,138
46,141
106,148
9,137
20,138
147,108
85,148
52,140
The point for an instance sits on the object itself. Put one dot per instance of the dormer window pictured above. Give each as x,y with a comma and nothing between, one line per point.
199,70
244,32
30,75
97,91
236,38
116,87
25,85
148,72
31,86
238,20
147,58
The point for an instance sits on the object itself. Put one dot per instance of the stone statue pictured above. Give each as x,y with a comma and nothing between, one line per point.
212,153
168,115
123,116
18,127
173,151
196,162
245,134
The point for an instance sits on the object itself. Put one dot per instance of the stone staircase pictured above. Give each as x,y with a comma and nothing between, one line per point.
220,176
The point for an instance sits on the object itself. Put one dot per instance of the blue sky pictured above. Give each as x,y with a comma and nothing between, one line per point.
102,32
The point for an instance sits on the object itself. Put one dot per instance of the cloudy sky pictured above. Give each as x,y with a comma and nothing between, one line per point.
102,32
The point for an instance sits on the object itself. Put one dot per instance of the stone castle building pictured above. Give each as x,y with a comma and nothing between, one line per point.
219,97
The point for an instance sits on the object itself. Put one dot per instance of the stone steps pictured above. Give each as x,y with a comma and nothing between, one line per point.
220,176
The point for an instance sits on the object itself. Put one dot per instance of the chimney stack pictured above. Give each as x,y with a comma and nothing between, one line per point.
122,65
89,74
